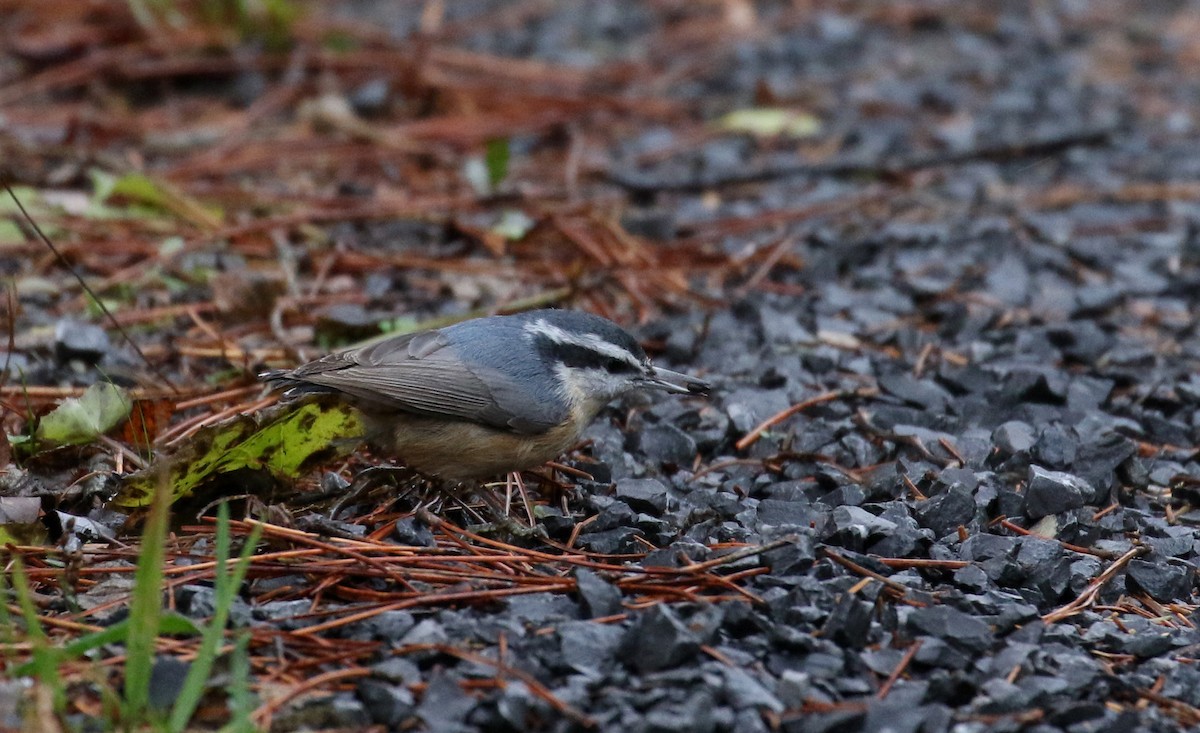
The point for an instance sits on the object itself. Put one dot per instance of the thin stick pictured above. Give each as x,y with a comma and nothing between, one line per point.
899,670
95,298
1089,594
752,436
860,570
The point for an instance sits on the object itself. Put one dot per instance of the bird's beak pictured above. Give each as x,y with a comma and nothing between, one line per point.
676,382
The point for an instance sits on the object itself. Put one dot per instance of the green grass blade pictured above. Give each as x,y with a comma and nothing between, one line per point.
145,606
168,623
45,657
7,628
241,702
226,586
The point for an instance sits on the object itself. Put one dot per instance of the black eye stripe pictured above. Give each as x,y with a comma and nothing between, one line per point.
617,366
581,357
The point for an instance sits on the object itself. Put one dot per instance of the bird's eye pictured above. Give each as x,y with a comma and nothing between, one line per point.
617,366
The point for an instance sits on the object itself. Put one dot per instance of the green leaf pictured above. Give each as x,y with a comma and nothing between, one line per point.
102,183
771,122
340,41
142,189
284,440
171,246
30,197
496,158
78,421
11,233
139,188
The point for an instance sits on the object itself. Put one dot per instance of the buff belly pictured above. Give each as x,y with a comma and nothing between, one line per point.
459,451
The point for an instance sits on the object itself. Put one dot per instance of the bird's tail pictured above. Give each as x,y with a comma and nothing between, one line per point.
285,379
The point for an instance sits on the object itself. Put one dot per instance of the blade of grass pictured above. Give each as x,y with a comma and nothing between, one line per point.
241,702
7,628
226,584
45,657
169,623
145,606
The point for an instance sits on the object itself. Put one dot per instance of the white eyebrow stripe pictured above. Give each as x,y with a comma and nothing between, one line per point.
586,341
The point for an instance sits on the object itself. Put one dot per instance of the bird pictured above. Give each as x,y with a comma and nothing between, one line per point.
486,396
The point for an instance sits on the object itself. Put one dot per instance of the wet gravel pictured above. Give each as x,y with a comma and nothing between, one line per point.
990,524
986,515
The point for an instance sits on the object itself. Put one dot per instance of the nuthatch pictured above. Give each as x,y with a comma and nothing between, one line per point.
489,395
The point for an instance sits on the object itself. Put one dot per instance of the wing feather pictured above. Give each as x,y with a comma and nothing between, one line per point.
423,374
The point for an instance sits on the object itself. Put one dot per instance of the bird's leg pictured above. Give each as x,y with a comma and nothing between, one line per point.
514,478
370,478
499,507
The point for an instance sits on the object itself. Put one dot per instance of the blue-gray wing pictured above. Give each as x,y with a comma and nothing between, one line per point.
423,373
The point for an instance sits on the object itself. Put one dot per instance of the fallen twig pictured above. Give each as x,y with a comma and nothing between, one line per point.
1089,594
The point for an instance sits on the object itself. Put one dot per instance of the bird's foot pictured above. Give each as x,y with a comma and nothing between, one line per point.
372,478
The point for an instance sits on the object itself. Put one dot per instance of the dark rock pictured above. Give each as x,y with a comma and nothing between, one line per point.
694,714
659,639
517,705
542,608
945,512
287,615
1098,460
793,558
445,705
597,596
413,532
921,392
200,602
1164,581
247,86
1053,492
742,690
371,97
900,716
83,341
427,631
952,626
684,551
556,524
785,514
667,445
849,623
748,407
166,681
972,578
1072,713
860,522
397,670
1149,644
588,647
1056,447
387,626
657,223
387,704
1014,436
938,653
619,541
344,322
643,494
794,688
341,711
1088,393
